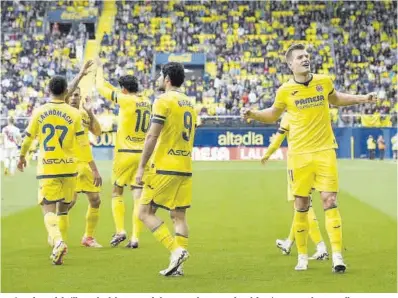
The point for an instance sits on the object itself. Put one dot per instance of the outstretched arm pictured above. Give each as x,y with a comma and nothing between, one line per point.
269,115
345,99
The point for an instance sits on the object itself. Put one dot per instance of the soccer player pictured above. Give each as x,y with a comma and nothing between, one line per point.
133,123
168,183
88,181
314,231
11,139
312,163
59,129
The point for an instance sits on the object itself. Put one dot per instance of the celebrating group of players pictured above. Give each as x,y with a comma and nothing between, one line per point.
153,157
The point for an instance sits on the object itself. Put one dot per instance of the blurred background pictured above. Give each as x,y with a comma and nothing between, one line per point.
233,53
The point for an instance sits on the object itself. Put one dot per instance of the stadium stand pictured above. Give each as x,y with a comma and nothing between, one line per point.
244,42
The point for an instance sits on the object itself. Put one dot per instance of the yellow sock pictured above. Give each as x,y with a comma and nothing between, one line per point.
92,217
291,233
137,223
301,231
118,213
51,223
162,234
182,241
314,232
63,223
334,229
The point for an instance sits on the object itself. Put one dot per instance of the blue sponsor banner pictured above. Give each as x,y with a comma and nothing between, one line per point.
184,58
261,137
88,15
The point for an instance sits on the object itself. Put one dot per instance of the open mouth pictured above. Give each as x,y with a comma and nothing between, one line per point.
306,64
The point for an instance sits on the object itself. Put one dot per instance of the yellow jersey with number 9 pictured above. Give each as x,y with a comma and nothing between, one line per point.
173,151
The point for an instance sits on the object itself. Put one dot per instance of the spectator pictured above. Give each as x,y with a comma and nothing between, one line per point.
381,146
371,147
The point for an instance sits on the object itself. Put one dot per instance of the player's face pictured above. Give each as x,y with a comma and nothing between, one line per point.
300,62
160,82
74,100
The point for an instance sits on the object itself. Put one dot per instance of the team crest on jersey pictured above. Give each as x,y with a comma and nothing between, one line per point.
319,88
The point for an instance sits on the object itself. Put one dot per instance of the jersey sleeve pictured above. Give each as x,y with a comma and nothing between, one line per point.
280,102
83,150
329,85
160,111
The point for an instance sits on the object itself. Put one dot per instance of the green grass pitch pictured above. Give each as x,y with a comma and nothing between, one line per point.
239,209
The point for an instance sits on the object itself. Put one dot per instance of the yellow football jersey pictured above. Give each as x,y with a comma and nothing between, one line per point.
173,150
134,116
61,136
307,105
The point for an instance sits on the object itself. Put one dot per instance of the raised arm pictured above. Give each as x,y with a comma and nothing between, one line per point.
95,127
75,82
103,86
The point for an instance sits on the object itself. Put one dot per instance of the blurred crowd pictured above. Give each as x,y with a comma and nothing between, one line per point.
244,42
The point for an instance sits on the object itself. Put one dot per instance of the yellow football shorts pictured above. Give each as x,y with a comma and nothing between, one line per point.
85,179
167,191
313,170
52,190
125,165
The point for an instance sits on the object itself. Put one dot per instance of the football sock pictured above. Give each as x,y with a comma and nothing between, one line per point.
301,231
291,233
63,223
92,217
118,213
333,227
51,223
162,234
182,240
137,223
314,231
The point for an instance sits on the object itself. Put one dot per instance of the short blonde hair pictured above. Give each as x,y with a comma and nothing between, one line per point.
293,47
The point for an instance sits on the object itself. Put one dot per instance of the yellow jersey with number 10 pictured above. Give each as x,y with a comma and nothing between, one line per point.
307,105
134,116
173,152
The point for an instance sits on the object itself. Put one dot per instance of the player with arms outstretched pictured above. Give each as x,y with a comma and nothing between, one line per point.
168,183
11,138
133,123
312,157
89,181
59,129
314,231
